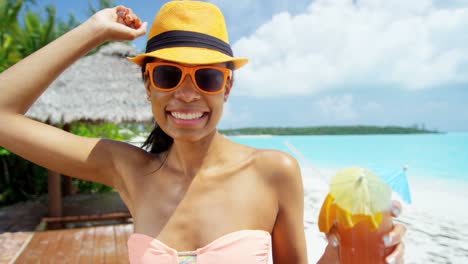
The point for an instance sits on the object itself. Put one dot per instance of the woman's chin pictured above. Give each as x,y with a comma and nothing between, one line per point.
191,135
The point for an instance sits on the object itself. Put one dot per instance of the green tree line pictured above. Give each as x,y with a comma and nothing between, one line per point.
326,130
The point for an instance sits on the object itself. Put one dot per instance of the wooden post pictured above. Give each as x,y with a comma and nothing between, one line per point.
54,189
67,185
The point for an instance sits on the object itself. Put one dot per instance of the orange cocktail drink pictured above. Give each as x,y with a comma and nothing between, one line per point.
358,209
363,245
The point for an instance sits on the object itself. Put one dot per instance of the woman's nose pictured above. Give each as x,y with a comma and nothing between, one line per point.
186,91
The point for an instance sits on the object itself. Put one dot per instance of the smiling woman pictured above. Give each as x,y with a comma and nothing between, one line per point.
195,196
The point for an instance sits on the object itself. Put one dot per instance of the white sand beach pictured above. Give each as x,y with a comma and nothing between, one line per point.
437,220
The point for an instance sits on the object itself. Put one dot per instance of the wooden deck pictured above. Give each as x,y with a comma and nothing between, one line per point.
100,244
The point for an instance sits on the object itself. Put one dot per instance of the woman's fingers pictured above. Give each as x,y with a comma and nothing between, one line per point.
397,256
121,10
332,251
134,26
333,238
134,21
121,20
395,236
119,23
396,208
394,239
126,17
137,23
128,20
141,30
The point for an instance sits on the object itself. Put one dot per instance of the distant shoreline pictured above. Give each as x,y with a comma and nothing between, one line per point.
325,130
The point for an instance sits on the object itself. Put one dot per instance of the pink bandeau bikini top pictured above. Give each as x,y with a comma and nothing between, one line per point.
244,246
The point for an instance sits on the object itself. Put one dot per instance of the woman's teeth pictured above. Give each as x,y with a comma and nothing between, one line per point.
187,116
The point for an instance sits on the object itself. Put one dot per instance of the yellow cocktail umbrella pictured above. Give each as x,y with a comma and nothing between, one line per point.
359,191
356,195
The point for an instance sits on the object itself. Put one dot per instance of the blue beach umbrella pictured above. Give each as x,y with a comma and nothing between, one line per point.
396,179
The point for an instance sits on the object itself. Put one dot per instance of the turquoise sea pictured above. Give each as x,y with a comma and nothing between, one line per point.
440,156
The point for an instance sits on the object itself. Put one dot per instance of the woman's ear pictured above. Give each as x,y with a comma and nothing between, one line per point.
227,89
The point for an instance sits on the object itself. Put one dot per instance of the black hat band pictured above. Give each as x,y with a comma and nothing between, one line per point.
180,38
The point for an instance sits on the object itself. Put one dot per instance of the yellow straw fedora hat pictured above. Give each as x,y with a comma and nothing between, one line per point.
190,32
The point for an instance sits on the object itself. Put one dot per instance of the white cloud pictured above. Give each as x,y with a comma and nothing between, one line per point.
243,16
373,107
233,118
337,108
450,3
335,43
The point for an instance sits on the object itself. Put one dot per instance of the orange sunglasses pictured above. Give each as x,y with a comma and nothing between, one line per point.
166,76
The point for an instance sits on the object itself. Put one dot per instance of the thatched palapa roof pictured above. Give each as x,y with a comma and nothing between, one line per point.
102,87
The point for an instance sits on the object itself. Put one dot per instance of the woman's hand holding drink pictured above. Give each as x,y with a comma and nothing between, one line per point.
355,234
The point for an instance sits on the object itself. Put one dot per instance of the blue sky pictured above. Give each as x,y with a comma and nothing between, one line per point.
340,62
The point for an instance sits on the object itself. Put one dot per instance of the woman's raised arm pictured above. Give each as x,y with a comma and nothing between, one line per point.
24,82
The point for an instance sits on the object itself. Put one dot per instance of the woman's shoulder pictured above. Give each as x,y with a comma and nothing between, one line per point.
274,166
274,157
280,171
131,155
277,166
133,162
266,160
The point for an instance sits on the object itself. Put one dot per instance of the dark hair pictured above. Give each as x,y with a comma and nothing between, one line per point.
158,141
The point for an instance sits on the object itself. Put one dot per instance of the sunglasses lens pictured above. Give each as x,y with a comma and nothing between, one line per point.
166,77
209,80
